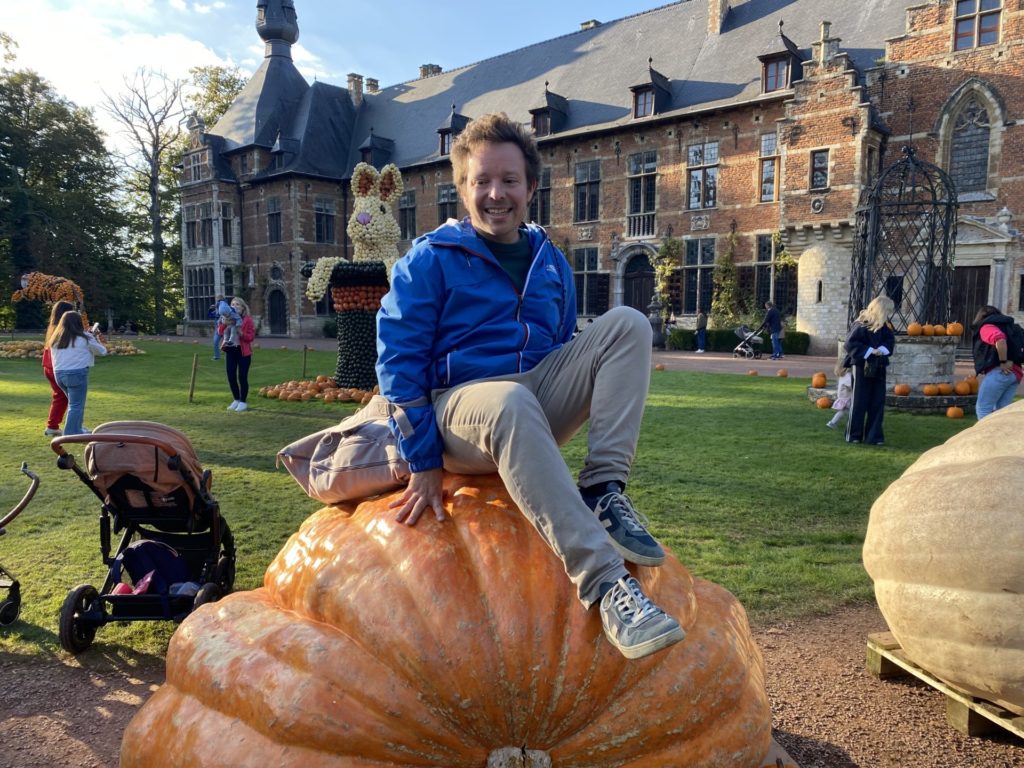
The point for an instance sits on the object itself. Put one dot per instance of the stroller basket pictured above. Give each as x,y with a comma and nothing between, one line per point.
156,495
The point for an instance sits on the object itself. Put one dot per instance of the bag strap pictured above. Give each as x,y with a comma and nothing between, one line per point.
380,407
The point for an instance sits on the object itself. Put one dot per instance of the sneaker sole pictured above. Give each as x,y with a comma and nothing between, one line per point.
632,557
651,646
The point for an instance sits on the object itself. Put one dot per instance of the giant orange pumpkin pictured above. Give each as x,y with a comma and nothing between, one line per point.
447,645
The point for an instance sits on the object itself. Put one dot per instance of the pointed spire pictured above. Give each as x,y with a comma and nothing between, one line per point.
278,25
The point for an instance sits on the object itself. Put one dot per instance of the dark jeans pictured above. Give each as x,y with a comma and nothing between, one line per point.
868,407
702,337
238,372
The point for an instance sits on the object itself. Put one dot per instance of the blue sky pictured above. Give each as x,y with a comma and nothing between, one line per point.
87,47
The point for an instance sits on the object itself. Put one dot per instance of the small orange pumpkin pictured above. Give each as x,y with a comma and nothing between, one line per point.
782,372
659,367
901,389
954,412
823,402
973,381
927,330
930,390
962,387
752,372
954,329
938,330
945,388
819,380
914,329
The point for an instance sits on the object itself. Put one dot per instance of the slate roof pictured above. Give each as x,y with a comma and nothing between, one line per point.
592,70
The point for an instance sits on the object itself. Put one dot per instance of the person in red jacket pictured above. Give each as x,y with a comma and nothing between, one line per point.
58,400
239,355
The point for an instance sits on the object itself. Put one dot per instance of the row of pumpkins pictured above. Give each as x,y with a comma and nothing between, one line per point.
26,349
968,386
322,388
924,329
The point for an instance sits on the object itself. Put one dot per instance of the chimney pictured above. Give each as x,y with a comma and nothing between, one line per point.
355,87
826,48
372,85
590,24
717,11
427,70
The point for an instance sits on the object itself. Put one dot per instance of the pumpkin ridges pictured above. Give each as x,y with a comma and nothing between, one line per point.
292,660
706,664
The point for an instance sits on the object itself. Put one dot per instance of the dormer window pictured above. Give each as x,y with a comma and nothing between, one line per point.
445,147
775,75
643,102
449,130
541,123
977,23
366,155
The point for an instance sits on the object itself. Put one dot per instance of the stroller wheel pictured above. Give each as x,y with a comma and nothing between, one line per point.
224,574
9,610
75,633
208,593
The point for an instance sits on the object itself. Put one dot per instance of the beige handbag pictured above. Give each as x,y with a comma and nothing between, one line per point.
354,459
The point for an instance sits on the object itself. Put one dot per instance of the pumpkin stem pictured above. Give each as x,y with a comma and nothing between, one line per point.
518,757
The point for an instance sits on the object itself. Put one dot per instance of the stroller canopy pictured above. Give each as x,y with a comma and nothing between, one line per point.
106,463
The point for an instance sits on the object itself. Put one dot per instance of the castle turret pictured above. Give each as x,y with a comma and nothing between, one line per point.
278,25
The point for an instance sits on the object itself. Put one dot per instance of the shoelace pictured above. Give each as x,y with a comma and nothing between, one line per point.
632,604
633,521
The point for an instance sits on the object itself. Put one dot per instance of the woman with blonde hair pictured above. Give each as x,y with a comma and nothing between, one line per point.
58,400
869,346
74,351
238,351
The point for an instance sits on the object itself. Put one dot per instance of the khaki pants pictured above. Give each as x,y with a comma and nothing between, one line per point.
515,424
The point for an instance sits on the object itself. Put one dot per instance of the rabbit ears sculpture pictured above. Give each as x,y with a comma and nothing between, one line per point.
385,186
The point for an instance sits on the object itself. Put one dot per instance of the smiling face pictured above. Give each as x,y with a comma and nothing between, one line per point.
496,191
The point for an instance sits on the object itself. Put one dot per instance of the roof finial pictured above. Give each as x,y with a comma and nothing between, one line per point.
650,61
781,22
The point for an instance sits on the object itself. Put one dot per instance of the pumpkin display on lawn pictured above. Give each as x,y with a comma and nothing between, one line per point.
954,601
901,390
450,644
818,380
823,402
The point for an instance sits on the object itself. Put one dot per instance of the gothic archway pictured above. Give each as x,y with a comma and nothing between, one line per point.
277,312
638,282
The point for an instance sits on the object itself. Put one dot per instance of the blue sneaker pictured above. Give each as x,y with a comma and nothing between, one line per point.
625,527
635,625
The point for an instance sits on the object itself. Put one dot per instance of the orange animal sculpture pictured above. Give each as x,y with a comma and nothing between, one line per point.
455,645
39,286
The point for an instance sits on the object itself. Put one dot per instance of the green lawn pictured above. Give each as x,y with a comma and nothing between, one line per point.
738,475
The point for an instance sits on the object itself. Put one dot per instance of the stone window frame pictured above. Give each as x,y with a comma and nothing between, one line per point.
447,203
540,205
768,157
971,21
586,268
973,90
407,214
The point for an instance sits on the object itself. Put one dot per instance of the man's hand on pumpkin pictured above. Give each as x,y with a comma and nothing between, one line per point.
424,490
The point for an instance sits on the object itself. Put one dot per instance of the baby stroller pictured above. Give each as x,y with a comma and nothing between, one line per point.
750,343
10,606
175,547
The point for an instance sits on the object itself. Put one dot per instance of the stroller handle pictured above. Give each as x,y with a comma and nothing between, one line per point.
9,517
57,444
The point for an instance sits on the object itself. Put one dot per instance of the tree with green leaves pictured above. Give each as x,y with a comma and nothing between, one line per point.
725,302
57,211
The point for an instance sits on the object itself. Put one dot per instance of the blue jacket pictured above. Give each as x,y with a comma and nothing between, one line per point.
454,315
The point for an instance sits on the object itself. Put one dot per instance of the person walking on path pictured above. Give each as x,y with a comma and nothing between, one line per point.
74,351
870,345
702,331
773,322
239,356
58,400
999,374
475,346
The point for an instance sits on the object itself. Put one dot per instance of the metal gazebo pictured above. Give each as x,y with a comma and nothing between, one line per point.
906,229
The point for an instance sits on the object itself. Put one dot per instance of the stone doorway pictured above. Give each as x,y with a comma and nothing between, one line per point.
638,283
277,313
970,292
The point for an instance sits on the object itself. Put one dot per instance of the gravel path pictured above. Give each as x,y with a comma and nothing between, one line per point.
828,712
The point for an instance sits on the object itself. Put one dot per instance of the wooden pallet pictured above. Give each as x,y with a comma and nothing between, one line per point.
968,714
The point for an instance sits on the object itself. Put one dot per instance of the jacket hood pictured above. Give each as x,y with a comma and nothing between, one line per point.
996,318
462,235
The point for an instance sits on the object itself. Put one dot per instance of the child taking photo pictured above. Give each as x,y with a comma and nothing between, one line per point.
74,351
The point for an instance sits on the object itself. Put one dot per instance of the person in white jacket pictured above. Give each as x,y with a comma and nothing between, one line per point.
74,351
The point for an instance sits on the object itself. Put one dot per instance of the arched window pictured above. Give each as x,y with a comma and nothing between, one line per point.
969,147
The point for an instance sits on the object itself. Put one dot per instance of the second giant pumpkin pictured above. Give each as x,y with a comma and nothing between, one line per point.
445,645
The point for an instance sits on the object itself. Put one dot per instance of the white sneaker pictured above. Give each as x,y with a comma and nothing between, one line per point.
52,432
233,406
241,407
700,351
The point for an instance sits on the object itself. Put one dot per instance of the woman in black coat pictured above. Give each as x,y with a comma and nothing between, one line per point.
869,346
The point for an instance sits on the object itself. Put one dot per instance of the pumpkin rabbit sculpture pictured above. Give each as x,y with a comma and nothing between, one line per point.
372,225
